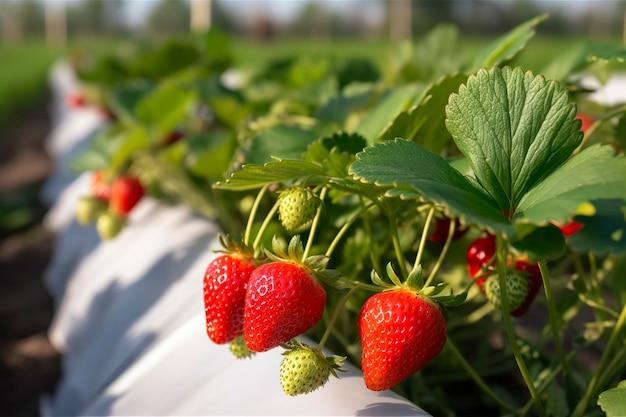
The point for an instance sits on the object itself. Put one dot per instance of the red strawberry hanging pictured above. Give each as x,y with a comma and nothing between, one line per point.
586,121
126,192
401,331
479,253
571,228
225,283
442,227
402,328
283,299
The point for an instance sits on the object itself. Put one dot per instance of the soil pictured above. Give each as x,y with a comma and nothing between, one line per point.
29,365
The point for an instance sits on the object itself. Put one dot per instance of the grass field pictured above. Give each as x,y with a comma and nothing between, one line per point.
23,72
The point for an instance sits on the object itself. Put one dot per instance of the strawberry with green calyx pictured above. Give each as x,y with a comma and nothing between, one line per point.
225,284
88,209
297,208
283,298
516,290
305,369
402,328
239,349
109,225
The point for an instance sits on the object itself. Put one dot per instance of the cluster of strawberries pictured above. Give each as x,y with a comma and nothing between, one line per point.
259,306
110,202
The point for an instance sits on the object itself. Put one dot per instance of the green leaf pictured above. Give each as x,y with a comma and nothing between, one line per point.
562,65
507,46
281,141
607,53
90,160
424,123
133,140
124,99
595,173
163,109
604,232
613,401
253,176
515,128
338,108
543,243
335,152
210,153
395,101
402,164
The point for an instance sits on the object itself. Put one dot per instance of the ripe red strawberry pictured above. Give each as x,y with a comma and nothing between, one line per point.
442,227
586,121
283,300
225,282
100,188
76,100
571,228
400,333
479,253
125,194
532,272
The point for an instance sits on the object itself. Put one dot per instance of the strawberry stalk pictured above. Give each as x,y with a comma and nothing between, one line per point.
555,326
442,254
422,245
344,229
338,310
474,375
395,239
266,222
501,256
316,219
255,207
616,336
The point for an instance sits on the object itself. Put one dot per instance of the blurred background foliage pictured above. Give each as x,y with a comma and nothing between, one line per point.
284,27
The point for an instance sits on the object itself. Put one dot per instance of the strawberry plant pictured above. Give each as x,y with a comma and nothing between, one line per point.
453,223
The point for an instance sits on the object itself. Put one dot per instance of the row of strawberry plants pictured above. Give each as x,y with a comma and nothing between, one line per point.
437,197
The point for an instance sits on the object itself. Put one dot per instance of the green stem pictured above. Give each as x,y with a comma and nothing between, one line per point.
338,309
255,207
442,254
508,325
553,315
422,245
344,229
606,357
396,244
316,220
370,238
474,375
264,225
545,383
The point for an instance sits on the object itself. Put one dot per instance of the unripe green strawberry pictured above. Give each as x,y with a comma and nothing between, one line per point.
516,289
110,225
239,349
305,369
297,209
88,209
